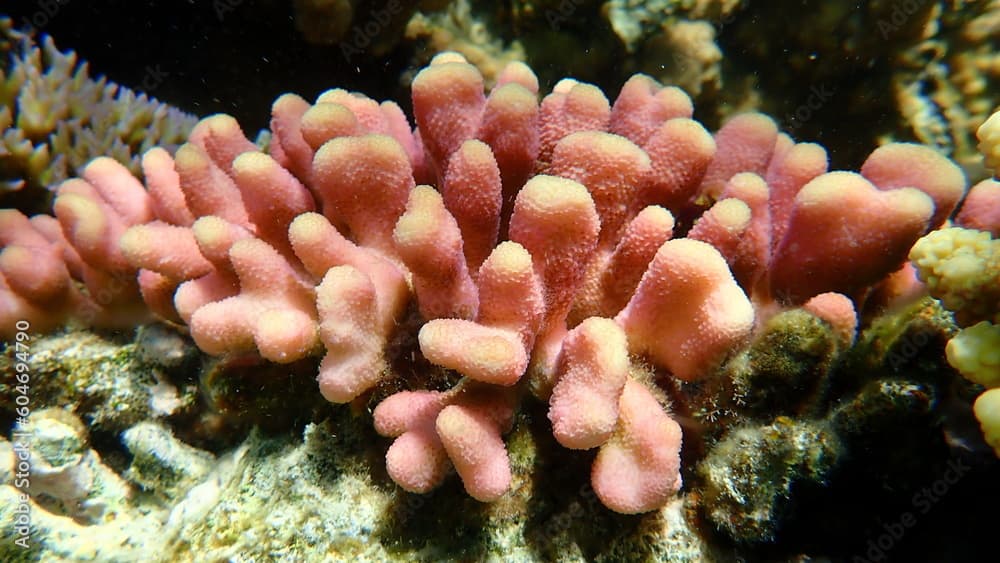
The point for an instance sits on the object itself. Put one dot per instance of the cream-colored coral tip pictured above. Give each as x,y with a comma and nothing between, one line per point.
448,57
421,224
989,141
732,214
987,409
509,260
975,352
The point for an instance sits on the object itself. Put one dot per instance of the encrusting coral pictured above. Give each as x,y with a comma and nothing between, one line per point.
534,242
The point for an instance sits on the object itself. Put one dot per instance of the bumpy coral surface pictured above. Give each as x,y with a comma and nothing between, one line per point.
527,246
961,267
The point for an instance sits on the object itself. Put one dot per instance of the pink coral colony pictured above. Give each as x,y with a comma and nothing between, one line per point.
537,241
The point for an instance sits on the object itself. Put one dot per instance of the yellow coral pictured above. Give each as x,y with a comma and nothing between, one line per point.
975,352
989,141
961,267
987,409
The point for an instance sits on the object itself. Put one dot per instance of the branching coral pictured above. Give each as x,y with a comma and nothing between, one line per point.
54,117
945,84
532,241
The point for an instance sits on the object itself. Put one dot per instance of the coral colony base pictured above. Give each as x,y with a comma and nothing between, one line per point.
529,248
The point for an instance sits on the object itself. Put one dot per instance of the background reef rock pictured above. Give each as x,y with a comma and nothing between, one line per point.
848,75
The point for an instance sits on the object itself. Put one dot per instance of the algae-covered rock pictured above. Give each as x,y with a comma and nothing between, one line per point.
909,341
65,475
317,498
161,463
787,366
78,508
99,379
323,494
867,418
749,475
